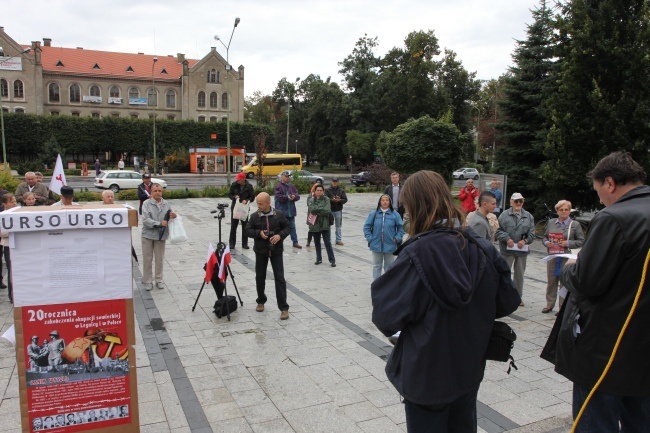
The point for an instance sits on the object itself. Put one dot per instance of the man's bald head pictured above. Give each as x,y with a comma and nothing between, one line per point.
108,197
263,201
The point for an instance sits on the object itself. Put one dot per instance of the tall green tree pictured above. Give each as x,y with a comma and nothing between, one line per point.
603,103
525,93
422,144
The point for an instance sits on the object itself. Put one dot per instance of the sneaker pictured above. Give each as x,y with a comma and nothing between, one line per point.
284,315
333,265
232,247
297,246
259,308
318,262
160,285
245,247
148,287
340,243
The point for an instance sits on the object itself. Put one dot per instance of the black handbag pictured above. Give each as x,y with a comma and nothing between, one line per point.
502,340
331,218
225,306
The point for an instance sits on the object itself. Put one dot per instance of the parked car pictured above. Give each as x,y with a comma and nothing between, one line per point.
360,179
304,174
115,180
466,173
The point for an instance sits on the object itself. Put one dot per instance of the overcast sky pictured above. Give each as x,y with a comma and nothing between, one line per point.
275,38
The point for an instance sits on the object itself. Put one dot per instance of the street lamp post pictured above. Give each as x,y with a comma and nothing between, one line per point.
2,116
288,113
228,69
154,100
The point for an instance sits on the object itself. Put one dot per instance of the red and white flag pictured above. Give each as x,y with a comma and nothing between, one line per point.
210,263
225,261
58,176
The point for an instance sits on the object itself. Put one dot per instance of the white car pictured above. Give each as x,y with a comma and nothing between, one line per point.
115,180
466,173
312,178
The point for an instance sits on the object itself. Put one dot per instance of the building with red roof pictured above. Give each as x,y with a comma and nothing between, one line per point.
58,80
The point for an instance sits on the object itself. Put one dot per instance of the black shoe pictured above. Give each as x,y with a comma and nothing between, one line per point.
333,265
232,247
318,262
245,247
2,285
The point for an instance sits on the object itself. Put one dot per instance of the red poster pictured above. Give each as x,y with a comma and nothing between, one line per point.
77,368
554,240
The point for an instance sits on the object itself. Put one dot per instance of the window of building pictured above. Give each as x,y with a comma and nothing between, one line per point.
75,114
96,66
218,77
59,63
201,102
134,93
214,76
95,91
152,98
54,113
19,110
75,93
115,114
95,114
4,88
214,100
134,115
19,89
202,119
224,101
163,71
209,76
54,92
114,92
213,119
224,119
171,117
170,99
129,69
5,109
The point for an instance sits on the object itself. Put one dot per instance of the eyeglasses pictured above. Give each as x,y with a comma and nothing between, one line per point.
518,201
564,210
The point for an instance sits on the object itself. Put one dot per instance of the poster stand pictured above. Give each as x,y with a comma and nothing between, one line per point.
74,317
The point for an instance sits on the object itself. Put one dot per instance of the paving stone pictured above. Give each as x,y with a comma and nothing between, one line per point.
320,418
384,425
361,411
261,412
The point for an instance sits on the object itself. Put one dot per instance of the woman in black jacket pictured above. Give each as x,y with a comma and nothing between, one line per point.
443,292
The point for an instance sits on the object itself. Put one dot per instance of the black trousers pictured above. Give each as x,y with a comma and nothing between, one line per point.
5,252
261,263
233,232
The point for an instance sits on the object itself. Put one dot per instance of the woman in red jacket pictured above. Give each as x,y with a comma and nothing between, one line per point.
467,195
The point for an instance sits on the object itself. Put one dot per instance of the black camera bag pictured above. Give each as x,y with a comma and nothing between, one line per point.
220,306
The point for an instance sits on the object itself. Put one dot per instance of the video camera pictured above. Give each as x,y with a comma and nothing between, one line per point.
221,210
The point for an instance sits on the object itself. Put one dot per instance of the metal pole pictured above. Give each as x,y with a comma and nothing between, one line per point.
228,112
154,100
288,117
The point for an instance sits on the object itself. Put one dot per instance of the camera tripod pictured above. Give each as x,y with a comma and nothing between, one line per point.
220,288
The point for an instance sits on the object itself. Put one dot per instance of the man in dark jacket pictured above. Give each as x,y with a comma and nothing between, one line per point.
393,191
603,283
240,190
144,190
337,198
269,227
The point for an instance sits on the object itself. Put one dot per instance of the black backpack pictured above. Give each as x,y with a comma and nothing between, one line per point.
225,306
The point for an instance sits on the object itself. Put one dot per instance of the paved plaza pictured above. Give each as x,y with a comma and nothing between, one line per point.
320,371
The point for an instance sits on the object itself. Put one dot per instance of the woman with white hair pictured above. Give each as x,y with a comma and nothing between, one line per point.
562,234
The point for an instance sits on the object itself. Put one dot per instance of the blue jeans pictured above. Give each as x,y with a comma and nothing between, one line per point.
459,416
328,246
377,260
604,412
292,224
338,221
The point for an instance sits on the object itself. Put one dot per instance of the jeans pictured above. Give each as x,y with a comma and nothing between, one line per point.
519,269
604,412
292,224
328,246
459,416
338,221
377,260
261,263
234,222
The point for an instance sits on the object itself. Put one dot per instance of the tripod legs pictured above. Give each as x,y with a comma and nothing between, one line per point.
197,298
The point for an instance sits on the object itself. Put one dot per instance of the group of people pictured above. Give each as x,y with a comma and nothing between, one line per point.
81,417
49,351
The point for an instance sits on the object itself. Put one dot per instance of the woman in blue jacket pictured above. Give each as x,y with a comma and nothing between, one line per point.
383,231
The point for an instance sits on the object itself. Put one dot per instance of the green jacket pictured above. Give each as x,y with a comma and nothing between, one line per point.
322,208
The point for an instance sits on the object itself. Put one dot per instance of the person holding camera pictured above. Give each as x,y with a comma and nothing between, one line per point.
240,190
269,227
337,198
467,195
